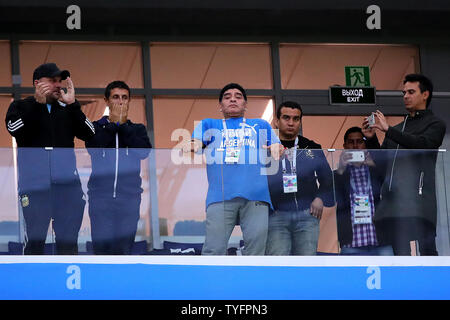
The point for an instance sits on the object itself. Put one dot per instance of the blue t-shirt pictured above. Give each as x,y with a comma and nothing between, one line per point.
247,178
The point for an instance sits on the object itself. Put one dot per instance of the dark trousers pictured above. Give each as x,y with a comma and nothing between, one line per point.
64,204
398,232
113,223
427,246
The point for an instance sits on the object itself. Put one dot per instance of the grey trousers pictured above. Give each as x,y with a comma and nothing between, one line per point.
222,217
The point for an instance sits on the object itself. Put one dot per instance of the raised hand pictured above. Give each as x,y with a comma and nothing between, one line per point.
368,159
343,161
69,97
42,90
368,131
118,112
380,122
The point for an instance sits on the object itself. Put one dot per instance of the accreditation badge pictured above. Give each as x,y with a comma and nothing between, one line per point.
232,155
289,183
24,201
362,210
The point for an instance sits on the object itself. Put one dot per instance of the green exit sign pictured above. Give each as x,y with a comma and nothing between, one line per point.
357,76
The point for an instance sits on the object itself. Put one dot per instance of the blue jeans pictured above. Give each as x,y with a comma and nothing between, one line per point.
222,217
368,251
292,233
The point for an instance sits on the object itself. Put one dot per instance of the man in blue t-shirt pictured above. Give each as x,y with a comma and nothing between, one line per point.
237,164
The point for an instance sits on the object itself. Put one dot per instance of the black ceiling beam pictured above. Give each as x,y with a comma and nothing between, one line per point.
277,19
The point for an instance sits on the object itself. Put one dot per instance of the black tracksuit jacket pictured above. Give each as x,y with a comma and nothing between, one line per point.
46,141
116,153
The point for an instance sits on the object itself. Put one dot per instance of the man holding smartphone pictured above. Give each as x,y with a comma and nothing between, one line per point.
408,210
357,186
45,126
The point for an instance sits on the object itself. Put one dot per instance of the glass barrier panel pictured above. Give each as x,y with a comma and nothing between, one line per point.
443,203
387,202
328,240
180,186
10,224
166,201
5,137
279,210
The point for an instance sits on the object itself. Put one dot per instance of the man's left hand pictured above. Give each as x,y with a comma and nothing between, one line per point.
69,97
381,124
316,208
368,159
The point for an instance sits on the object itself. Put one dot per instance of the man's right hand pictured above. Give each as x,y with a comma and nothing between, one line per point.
368,132
42,90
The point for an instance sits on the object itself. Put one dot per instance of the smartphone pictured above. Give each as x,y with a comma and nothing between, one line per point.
371,120
357,156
